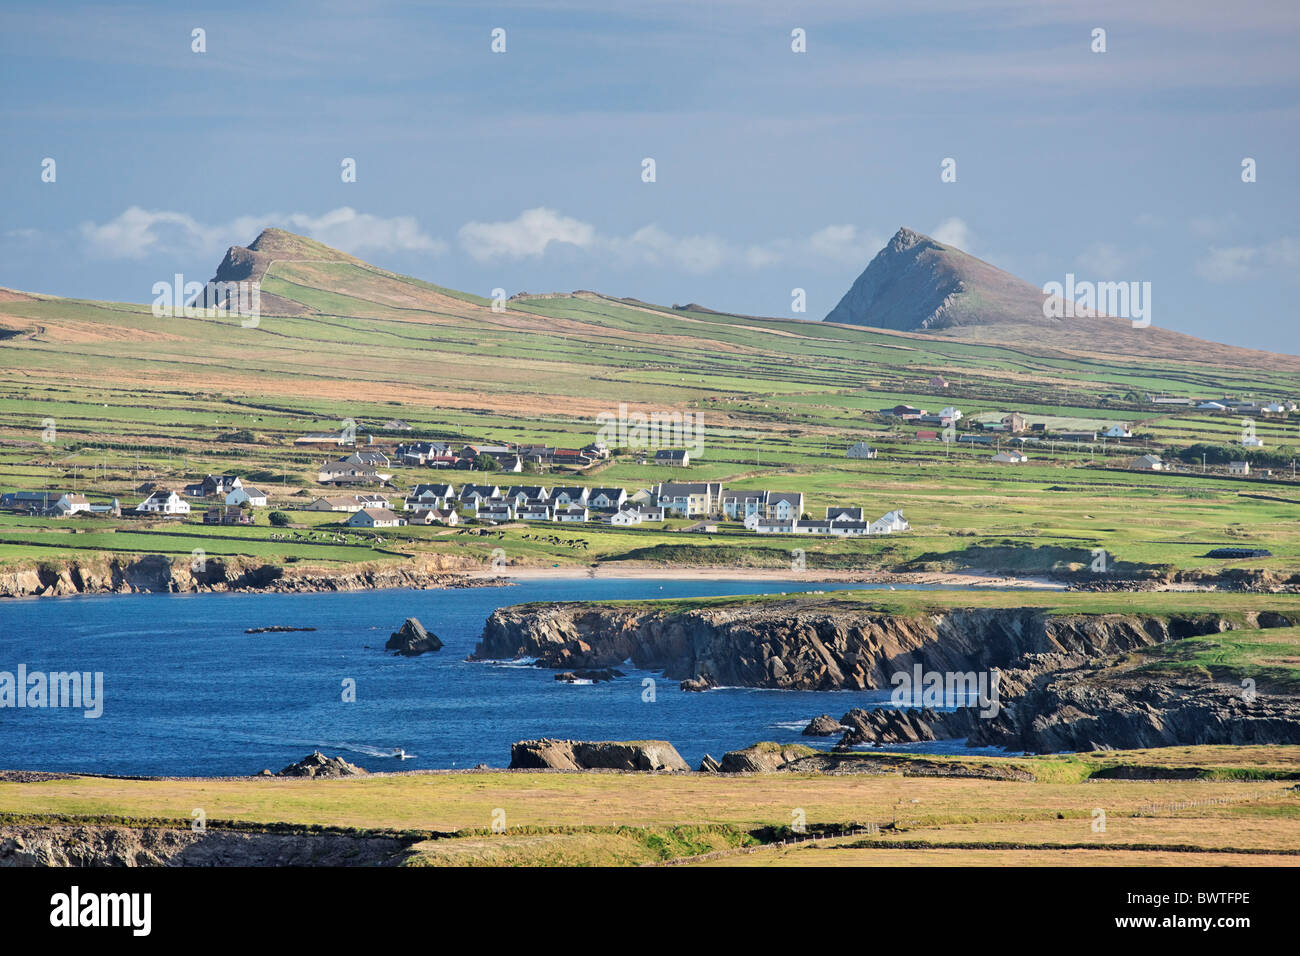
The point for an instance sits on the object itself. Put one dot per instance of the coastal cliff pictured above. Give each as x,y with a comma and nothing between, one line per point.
1065,681
157,573
794,646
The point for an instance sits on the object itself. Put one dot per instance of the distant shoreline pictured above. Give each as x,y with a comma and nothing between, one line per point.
717,573
75,581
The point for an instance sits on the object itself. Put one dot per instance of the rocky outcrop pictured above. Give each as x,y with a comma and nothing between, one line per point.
776,758
827,645
1092,709
823,726
587,676
762,758
316,764
896,726
1046,697
412,639
1095,708
644,755
157,573
121,846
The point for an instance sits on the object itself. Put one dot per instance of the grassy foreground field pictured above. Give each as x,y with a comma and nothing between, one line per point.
1238,806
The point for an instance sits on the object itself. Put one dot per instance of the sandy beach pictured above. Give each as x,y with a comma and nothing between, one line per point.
771,574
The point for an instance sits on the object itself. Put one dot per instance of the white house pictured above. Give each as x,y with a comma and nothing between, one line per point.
861,449
1118,431
951,414
164,503
71,504
606,499
625,517
375,518
1212,407
834,513
430,497
518,495
889,523
1239,468
246,493
534,510
565,496
571,513
1251,441
1149,463
447,516
473,494
1010,457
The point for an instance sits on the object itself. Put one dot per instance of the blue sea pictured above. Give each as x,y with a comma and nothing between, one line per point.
187,692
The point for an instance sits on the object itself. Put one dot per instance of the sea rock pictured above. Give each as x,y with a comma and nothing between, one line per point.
709,765
316,764
413,640
595,676
644,755
696,684
823,726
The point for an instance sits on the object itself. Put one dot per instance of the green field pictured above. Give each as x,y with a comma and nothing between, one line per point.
1237,806
135,398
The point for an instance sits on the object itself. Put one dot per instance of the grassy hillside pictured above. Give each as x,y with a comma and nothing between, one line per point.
135,397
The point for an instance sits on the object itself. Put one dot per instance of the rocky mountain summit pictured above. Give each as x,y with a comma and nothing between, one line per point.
917,284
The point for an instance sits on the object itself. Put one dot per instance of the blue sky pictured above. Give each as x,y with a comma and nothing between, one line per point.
774,169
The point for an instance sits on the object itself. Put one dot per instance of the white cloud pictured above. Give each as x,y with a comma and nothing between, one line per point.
358,232
525,236
953,232
136,233
531,233
844,244
1233,263
1103,259
653,246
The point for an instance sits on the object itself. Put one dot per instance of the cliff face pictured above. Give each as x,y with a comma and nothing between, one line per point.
93,845
1064,682
158,573
781,645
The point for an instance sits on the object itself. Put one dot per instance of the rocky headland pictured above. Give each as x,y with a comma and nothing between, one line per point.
1064,681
